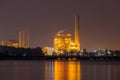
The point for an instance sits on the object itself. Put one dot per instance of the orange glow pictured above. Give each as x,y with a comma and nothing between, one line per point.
74,71
64,43
46,70
68,34
58,68
58,34
67,70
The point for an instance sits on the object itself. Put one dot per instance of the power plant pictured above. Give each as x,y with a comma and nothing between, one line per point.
64,43
23,40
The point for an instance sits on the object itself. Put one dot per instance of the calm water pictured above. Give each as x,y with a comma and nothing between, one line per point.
59,70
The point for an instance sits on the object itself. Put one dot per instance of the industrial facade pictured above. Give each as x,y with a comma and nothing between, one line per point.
62,42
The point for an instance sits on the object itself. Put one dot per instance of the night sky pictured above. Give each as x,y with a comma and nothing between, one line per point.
99,21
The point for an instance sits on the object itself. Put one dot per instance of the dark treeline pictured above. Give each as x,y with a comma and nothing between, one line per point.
12,53
21,52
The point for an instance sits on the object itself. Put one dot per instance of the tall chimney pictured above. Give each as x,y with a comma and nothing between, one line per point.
27,38
20,39
77,31
23,39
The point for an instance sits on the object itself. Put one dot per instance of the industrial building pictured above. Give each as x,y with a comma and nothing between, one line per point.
64,43
11,43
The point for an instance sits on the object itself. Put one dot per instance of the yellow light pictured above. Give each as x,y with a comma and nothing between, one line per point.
58,73
63,42
68,34
58,34
74,72
67,71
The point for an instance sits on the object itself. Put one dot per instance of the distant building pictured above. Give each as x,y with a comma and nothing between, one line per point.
11,43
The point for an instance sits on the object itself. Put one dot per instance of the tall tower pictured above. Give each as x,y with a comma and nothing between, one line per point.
21,39
27,38
77,41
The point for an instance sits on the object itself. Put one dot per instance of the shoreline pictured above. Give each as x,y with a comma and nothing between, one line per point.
100,58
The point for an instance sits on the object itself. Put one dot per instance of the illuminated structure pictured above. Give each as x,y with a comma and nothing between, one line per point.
48,50
11,43
63,42
24,39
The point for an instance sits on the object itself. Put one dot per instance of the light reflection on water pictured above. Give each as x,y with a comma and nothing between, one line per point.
74,71
66,70
62,70
59,70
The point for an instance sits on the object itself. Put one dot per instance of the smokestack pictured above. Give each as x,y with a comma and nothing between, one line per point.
27,38
20,39
24,39
77,31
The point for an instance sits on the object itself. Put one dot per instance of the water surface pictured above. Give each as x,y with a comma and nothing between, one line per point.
59,70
